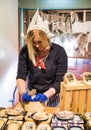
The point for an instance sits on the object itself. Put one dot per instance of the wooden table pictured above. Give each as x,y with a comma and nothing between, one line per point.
52,109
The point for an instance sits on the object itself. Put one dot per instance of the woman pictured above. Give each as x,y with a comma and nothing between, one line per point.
44,64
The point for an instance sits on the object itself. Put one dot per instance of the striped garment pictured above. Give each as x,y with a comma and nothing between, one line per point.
54,101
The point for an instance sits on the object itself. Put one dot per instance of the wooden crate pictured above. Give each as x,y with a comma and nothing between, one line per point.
75,97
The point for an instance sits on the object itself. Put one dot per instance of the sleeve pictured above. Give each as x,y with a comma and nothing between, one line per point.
22,69
62,65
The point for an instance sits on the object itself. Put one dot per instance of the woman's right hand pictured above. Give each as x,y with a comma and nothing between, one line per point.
25,97
40,97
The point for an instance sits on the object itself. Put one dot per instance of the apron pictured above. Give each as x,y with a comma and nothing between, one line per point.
54,101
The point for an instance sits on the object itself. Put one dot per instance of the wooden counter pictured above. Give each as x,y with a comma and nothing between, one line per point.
52,109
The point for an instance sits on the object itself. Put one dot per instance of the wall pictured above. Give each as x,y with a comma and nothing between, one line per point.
55,4
81,65
8,49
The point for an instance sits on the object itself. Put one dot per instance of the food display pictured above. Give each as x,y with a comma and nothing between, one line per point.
2,113
10,111
77,119
14,125
37,116
59,128
44,127
87,120
65,115
16,117
2,123
28,125
64,123
33,106
88,125
75,128
41,119
28,116
40,116
87,116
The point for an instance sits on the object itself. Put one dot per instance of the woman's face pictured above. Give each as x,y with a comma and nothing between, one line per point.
37,42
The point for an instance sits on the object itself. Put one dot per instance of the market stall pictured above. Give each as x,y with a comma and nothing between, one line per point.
74,112
35,116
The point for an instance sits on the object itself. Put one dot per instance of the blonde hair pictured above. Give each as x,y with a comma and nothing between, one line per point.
32,51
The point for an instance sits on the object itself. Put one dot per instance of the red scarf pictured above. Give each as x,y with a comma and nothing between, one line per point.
40,63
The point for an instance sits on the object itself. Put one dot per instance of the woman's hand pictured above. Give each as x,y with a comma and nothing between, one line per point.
40,97
50,92
25,97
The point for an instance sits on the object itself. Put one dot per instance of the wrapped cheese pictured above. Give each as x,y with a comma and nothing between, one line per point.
28,125
44,127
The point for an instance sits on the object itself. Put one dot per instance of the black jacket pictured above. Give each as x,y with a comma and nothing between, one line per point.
42,80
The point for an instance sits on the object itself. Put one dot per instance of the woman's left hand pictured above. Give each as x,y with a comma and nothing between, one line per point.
40,97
